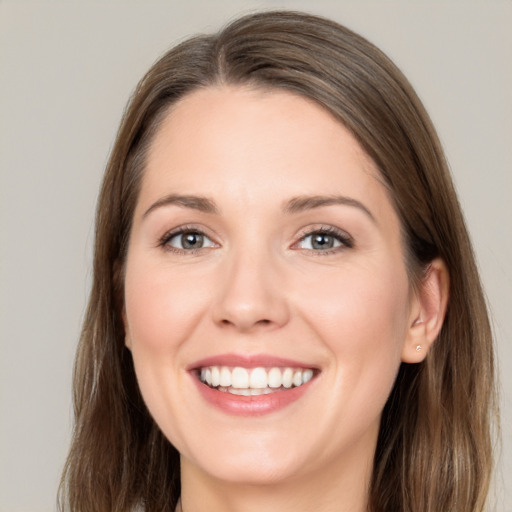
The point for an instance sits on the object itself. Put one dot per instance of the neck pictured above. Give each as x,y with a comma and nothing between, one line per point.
337,488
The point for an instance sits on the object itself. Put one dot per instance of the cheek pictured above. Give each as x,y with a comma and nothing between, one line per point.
161,311
362,318
162,306
365,304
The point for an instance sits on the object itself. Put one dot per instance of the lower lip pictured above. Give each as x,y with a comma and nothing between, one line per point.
251,405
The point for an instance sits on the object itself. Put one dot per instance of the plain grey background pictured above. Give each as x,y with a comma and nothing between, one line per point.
66,72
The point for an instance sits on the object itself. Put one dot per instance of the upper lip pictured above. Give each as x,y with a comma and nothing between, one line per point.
249,361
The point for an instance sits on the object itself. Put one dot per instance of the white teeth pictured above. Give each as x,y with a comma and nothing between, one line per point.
243,392
256,381
249,392
288,378
215,376
258,378
274,378
240,378
225,377
307,375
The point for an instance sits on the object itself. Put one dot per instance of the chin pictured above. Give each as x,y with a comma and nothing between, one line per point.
257,463
255,472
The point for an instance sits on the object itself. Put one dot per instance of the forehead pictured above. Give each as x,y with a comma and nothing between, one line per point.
249,116
255,145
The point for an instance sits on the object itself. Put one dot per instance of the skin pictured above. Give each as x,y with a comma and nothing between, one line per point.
258,287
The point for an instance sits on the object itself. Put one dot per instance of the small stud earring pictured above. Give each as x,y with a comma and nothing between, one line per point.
418,348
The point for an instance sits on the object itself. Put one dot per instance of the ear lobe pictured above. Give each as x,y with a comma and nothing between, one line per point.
428,310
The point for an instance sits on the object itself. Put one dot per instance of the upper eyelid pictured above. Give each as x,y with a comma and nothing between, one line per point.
327,229
171,233
345,239
303,233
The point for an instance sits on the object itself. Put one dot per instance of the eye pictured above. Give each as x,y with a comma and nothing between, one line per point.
324,240
187,240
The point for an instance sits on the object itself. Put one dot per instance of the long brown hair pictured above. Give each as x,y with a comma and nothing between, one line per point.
434,451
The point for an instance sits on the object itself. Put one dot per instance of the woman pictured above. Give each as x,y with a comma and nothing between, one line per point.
285,310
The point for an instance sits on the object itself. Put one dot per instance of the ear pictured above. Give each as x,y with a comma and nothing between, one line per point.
428,308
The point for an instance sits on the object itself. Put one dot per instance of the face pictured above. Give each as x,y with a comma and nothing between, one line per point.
267,302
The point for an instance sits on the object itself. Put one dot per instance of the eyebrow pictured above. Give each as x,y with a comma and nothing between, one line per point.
294,205
303,203
203,204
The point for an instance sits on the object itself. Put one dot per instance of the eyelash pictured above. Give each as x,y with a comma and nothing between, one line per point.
345,240
169,235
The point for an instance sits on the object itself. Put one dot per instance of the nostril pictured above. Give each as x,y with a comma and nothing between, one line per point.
263,322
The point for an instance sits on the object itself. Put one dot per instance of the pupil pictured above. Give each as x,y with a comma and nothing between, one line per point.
323,242
192,240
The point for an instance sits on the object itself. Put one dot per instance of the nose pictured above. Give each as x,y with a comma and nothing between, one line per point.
251,296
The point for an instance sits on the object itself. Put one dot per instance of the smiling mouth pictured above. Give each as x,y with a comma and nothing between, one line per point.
253,381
